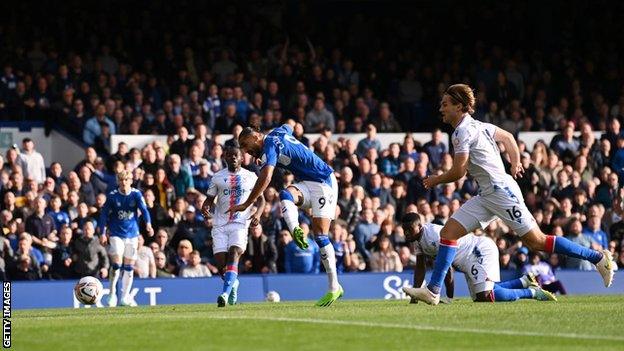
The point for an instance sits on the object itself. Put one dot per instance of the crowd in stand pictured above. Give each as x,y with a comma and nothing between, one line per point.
152,79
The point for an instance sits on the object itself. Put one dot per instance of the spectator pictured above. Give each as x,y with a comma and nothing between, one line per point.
181,258
387,123
435,148
92,128
370,142
599,239
40,225
576,235
179,177
145,265
89,257
161,265
319,118
32,162
297,260
62,262
194,268
384,258
544,274
364,232
261,253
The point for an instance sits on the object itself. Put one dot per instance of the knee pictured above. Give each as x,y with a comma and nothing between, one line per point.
535,242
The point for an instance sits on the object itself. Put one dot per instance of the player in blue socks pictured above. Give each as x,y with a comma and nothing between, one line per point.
230,186
476,151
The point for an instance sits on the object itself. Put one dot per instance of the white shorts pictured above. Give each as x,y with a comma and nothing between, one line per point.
128,248
505,203
231,234
321,197
481,269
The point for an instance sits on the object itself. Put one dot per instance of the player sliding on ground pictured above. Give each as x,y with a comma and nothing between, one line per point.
499,194
230,186
120,215
317,189
477,258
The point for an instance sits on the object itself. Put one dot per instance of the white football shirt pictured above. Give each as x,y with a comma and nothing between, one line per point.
231,189
484,161
430,238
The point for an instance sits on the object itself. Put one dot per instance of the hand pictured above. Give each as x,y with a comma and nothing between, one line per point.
265,270
430,182
205,211
517,170
238,208
255,220
67,262
103,239
150,230
104,273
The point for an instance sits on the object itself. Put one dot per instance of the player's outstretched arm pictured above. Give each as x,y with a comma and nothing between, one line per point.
262,183
145,213
255,218
206,208
458,170
104,220
511,146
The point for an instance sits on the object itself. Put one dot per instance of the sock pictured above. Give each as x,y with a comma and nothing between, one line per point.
231,274
446,254
503,294
113,277
126,281
328,257
512,284
289,210
566,247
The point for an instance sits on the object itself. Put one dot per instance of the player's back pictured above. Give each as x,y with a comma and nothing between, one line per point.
281,148
428,243
231,189
484,163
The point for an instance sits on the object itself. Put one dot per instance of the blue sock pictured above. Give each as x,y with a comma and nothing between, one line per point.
446,255
566,247
503,294
511,284
231,274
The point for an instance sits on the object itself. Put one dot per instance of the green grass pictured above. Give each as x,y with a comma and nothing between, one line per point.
574,323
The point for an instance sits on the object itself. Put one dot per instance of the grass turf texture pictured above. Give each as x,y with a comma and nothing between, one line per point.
574,323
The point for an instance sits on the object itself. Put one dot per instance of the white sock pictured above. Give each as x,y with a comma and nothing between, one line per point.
328,256
525,281
290,214
533,292
113,277
126,284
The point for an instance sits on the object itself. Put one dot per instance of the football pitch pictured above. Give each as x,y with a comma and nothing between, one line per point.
574,323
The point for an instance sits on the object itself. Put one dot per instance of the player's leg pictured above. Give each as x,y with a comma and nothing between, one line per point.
230,278
508,204
291,198
115,252
519,283
131,246
219,248
323,199
536,240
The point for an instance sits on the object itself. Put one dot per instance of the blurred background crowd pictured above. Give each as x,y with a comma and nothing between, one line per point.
194,71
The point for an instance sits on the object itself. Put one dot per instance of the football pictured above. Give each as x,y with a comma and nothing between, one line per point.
272,296
88,290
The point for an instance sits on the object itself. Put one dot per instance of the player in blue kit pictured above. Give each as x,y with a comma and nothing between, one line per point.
316,189
120,215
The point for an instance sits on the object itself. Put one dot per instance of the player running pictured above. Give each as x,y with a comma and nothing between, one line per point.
120,215
499,195
230,186
477,258
317,189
